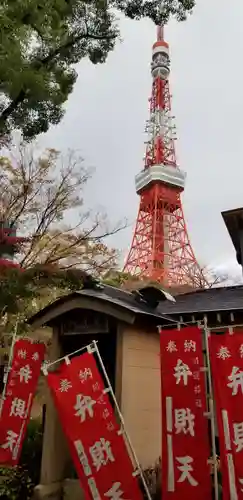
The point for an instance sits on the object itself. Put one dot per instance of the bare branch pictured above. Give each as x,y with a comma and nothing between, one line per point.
42,194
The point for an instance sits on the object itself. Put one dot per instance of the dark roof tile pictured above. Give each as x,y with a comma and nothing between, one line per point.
208,300
107,293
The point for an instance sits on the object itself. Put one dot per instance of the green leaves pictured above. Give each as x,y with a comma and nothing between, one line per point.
40,43
15,484
158,10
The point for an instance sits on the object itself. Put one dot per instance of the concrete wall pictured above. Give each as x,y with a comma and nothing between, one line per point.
140,398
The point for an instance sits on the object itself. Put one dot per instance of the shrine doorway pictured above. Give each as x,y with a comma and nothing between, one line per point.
107,345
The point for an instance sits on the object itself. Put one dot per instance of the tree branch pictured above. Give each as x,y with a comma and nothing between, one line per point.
13,105
45,61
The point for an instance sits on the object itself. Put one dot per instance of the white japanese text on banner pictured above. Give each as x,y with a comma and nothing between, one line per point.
97,447
185,441
226,354
21,386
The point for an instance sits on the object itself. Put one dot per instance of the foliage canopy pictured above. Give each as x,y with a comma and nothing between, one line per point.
40,42
43,196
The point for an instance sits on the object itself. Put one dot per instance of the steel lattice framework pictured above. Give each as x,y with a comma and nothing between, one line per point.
161,248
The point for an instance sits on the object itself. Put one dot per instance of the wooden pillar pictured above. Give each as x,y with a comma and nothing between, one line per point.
54,451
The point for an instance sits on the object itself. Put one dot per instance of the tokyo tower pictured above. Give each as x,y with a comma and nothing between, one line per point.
161,249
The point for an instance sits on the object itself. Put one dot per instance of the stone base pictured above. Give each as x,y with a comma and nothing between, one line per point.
72,490
48,492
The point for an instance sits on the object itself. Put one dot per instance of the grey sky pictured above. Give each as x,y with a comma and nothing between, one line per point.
106,116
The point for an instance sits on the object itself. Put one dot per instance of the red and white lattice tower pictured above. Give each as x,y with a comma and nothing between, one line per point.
161,249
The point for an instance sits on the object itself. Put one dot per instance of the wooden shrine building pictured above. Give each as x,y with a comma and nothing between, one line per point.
125,326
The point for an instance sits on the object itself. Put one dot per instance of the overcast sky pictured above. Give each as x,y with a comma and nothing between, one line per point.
106,116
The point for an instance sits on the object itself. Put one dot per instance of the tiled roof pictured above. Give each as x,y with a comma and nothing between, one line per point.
107,293
216,299
208,300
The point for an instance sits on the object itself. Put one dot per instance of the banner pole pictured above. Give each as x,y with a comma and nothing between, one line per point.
211,410
47,365
95,348
9,365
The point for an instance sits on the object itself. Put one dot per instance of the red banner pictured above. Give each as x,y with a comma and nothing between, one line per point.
226,354
185,442
20,389
96,444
